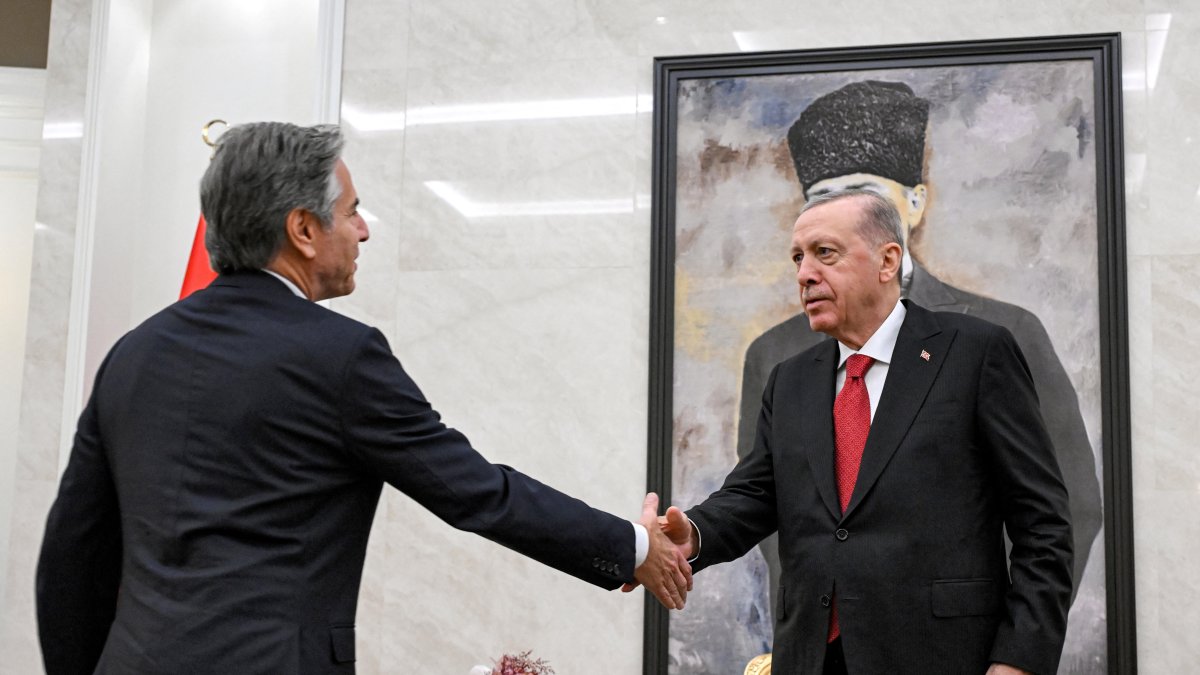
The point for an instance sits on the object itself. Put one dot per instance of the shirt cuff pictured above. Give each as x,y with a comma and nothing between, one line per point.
641,544
699,541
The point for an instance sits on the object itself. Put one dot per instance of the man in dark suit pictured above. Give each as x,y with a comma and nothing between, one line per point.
872,135
215,510
890,460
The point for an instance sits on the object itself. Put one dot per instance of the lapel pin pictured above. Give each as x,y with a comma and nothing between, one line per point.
924,354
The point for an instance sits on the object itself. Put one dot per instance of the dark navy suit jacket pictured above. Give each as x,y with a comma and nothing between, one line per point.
215,511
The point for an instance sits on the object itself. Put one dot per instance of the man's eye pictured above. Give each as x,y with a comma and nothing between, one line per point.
797,258
824,251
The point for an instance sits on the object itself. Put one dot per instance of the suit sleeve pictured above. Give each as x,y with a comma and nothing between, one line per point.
1035,508
395,433
79,567
754,375
743,511
1060,409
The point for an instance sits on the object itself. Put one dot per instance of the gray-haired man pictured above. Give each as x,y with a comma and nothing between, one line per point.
872,136
228,465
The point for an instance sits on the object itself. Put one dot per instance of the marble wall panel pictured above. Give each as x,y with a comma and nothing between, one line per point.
685,27
1170,189
18,626
473,32
54,240
540,192
47,325
1176,376
533,366
377,36
1166,468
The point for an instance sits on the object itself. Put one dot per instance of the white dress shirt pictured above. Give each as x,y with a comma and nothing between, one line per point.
287,282
879,347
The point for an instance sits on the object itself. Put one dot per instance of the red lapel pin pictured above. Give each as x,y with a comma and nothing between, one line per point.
924,354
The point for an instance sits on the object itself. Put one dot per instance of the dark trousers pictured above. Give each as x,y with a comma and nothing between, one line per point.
835,660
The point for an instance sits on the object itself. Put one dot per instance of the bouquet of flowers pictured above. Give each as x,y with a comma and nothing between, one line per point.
520,664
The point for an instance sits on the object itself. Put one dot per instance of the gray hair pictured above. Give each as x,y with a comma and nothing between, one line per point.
880,222
259,173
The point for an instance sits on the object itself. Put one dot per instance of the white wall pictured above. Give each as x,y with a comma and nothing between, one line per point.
170,67
22,94
233,60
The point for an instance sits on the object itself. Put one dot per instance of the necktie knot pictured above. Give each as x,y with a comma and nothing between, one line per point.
857,365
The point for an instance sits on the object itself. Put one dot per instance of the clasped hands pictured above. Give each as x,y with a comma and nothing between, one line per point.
666,572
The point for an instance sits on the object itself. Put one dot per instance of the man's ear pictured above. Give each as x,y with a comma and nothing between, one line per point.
301,230
889,262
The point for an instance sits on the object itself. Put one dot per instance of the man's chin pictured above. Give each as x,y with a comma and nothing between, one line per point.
820,322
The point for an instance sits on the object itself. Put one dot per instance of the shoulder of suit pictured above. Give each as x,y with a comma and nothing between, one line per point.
789,335
968,323
280,305
826,347
996,311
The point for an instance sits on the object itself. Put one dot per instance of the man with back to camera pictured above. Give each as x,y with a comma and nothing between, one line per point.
872,135
215,511
890,460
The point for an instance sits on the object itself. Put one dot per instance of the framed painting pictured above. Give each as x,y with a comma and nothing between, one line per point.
1004,159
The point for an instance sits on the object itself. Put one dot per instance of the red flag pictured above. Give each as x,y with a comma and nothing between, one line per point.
199,273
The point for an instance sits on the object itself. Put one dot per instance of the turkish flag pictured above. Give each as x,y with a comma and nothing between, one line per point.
199,274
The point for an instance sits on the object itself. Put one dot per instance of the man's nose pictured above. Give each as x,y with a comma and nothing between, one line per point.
364,232
806,273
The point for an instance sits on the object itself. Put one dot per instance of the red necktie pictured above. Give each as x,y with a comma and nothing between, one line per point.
851,424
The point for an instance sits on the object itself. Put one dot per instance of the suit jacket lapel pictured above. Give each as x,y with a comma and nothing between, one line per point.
909,378
817,395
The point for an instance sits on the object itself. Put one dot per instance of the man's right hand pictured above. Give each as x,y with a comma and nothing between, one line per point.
666,572
679,530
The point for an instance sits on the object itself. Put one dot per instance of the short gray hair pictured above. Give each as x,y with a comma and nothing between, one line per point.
259,173
880,223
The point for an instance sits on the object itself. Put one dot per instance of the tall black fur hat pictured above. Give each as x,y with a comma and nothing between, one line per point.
864,127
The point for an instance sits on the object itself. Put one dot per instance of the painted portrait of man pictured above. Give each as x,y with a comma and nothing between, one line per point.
992,168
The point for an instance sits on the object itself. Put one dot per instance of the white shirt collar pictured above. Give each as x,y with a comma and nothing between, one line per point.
880,345
287,282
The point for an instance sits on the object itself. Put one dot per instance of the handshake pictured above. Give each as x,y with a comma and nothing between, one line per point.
673,542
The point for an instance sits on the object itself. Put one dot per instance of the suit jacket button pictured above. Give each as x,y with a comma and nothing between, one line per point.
616,569
596,562
826,601
841,534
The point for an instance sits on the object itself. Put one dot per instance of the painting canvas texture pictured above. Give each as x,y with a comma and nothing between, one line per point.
1005,158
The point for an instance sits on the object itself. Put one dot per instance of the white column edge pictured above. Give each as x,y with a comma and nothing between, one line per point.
331,31
85,226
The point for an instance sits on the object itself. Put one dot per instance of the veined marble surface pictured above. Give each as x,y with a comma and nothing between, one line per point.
36,475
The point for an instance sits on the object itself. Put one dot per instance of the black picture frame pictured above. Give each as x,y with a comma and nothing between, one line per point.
1102,53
